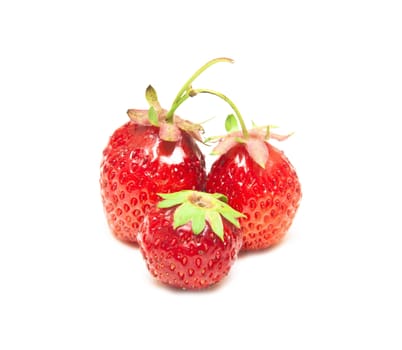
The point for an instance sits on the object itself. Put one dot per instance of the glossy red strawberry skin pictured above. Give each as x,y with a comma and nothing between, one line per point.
268,197
136,165
181,259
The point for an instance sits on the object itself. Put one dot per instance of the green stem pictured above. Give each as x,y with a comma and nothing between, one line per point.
184,92
244,130
175,105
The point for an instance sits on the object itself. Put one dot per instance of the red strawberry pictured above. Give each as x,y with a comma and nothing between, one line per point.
136,165
154,152
258,180
191,239
269,196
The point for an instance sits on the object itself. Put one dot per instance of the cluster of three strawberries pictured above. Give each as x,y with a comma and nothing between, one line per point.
152,174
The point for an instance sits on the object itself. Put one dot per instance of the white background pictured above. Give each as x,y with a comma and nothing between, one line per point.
328,70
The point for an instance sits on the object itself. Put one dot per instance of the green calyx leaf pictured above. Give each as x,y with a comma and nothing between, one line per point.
153,116
231,123
172,199
200,208
185,213
215,221
198,222
154,105
220,197
152,98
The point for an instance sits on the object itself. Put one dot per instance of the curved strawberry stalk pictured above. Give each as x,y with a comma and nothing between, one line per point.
169,123
240,119
184,93
254,139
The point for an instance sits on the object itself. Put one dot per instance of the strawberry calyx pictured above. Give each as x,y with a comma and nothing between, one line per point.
200,208
167,131
169,123
254,143
254,139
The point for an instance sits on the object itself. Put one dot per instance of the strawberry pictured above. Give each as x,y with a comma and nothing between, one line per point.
190,239
137,164
154,152
257,179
